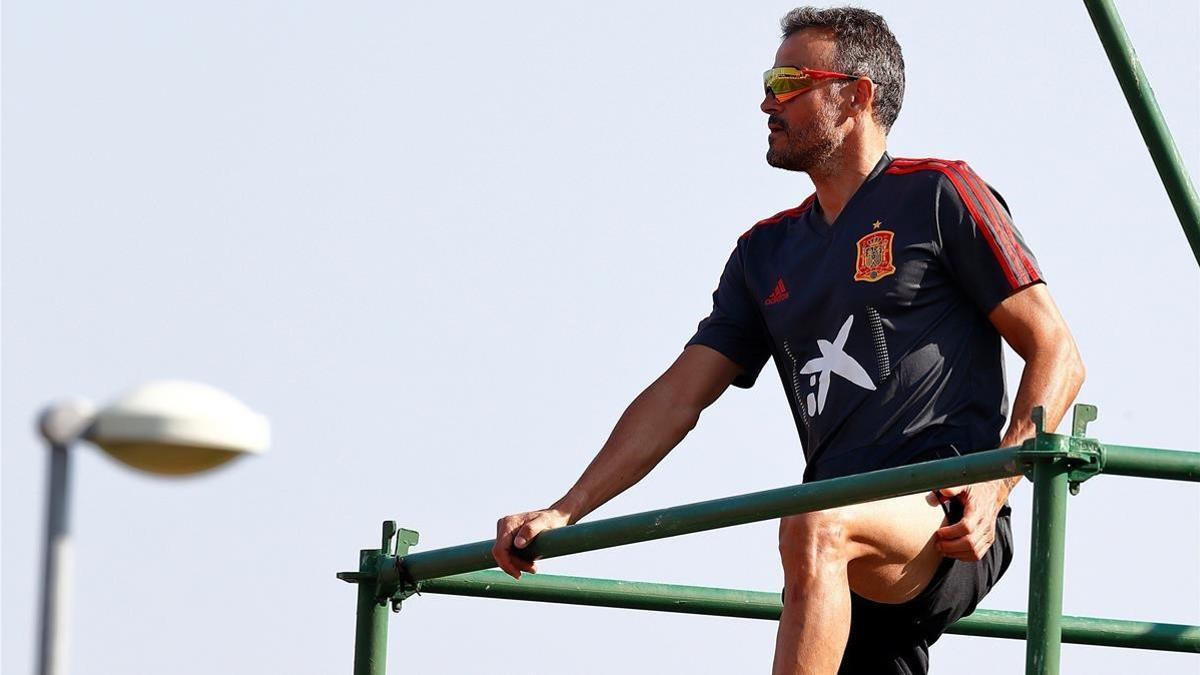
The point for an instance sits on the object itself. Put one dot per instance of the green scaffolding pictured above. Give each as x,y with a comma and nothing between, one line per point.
1056,464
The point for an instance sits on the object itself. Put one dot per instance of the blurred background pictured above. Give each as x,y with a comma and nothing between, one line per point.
442,245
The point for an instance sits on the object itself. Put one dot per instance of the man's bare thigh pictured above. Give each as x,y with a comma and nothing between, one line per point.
890,548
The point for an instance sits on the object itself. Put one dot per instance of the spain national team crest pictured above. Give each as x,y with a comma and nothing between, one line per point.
874,256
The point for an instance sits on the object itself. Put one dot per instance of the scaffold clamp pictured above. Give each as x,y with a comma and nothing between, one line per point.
381,566
1084,456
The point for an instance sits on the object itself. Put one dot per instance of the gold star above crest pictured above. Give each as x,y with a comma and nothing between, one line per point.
875,225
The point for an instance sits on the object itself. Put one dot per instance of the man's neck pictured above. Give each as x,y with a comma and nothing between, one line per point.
838,182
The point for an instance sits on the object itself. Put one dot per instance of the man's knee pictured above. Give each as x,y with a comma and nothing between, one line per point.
811,542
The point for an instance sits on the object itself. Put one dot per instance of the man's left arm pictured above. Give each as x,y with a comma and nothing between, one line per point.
1032,325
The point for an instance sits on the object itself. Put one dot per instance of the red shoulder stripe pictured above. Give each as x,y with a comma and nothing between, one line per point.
905,166
997,233
1001,218
778,217
995,220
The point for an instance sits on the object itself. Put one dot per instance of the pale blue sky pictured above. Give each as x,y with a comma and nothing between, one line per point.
442,245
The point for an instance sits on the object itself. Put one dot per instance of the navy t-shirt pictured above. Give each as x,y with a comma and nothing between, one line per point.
878,324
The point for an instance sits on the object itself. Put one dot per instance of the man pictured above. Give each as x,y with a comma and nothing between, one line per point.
882,299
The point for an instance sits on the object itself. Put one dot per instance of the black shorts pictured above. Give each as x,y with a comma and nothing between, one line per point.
895,639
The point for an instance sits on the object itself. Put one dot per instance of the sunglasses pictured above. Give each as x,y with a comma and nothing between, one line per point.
787,83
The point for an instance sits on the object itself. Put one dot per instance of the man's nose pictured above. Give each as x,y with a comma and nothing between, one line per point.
770,105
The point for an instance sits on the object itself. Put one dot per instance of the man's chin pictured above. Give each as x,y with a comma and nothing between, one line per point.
783,161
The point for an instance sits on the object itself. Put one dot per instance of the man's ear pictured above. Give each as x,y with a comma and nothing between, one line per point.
862,94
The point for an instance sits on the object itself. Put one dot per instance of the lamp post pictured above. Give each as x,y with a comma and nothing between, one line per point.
165,428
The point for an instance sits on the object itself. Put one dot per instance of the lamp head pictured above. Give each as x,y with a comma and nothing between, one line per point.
177,428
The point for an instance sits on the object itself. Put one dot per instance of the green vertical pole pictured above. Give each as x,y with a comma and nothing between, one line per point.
1149,118
379,585
371,627
1044,642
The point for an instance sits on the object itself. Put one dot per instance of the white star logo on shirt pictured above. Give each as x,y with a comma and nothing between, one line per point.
834,359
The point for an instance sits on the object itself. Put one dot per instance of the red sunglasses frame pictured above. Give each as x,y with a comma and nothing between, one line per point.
816,75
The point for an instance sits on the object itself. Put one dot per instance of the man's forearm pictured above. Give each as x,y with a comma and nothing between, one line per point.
1051,379
650,427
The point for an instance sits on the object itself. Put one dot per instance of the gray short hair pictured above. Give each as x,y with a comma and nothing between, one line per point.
865,46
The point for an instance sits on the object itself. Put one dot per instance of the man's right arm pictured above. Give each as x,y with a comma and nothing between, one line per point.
651,427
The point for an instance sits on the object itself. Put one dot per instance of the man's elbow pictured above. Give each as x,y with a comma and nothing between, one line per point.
675,407
685,416
1072,363
1056,355
1078,370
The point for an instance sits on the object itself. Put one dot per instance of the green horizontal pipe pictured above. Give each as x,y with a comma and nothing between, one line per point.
1155,132
760,605
1085,630
609,593
1123,460
726,512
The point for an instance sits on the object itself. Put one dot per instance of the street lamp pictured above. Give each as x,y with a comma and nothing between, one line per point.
165,428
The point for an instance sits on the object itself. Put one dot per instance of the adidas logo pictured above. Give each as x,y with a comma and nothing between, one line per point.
778,295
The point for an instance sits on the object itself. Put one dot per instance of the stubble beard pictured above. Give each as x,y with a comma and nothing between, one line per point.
808,149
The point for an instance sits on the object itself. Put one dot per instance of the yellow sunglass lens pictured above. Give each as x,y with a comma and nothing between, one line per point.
784,81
